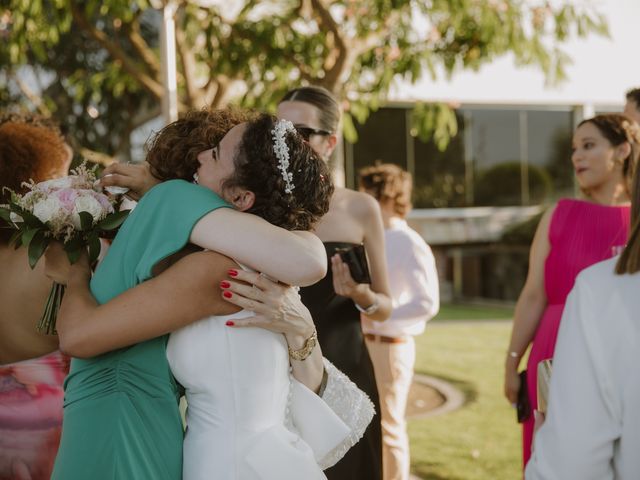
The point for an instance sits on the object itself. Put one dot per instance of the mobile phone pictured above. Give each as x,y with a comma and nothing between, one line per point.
356,258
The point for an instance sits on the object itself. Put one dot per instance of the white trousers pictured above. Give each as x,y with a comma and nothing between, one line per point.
393,364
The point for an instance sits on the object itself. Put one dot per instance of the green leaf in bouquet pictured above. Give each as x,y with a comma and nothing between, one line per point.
27,235
113,220
94,246
16,239
37,247
74,248
30,220
86,221
5,214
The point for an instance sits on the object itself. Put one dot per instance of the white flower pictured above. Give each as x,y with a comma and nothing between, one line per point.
87,203
48,209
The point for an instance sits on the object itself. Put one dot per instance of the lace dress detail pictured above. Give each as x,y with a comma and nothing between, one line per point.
353,407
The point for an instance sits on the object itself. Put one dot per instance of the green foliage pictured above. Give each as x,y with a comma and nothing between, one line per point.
501,185
523,232
97,69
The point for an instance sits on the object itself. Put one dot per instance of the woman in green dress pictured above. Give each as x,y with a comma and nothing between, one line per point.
121,419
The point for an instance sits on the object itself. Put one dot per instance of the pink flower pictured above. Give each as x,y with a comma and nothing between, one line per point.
103,200
67,197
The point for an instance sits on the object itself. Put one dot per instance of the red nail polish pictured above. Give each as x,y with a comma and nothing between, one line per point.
227,294
229,323
233,273
224,284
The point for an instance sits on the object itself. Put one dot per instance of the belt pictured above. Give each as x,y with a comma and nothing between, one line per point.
384,339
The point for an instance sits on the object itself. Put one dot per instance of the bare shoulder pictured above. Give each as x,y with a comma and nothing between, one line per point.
545,221
360,204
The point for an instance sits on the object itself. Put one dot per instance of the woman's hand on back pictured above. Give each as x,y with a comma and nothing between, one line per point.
276,307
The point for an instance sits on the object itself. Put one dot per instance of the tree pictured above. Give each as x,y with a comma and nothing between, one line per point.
97,66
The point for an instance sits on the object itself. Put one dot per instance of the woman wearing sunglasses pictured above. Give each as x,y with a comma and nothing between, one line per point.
337,301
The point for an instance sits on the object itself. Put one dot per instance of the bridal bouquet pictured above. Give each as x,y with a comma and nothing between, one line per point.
70,210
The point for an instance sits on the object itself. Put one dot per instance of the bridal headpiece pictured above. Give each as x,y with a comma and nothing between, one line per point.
281,150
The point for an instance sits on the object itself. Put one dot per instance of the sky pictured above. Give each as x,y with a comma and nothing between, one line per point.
603,70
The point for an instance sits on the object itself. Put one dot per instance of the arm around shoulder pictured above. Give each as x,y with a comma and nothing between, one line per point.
294,258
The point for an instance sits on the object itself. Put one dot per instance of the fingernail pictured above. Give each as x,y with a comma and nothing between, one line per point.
233,273
224,284
229,323
227,294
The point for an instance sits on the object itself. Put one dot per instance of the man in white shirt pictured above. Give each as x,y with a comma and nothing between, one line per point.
413,280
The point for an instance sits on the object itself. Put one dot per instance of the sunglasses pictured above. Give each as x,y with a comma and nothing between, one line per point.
306,132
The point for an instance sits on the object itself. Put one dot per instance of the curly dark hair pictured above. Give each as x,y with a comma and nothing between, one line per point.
388,181
172,152
256,169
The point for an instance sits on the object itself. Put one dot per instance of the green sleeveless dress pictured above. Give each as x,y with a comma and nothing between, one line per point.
121,418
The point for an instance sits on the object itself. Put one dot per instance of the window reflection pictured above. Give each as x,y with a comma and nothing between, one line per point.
514,157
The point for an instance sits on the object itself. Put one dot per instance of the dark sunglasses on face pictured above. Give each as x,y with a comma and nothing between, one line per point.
306,132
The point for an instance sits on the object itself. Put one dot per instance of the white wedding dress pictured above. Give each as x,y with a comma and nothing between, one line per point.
247,417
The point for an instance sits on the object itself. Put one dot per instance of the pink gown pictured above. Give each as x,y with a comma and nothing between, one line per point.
581,234
31,416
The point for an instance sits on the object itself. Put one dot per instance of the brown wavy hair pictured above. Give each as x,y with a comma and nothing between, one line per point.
322,99
629,131
618,129
386,182
256,169
172,152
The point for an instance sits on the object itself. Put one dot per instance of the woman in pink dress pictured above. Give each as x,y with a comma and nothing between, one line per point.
571,236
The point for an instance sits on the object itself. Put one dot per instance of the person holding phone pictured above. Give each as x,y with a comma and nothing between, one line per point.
416,299
337,302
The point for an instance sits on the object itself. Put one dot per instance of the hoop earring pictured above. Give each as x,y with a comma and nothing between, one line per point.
195,178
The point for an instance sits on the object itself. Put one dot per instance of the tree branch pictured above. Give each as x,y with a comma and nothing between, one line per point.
188,62
153,86
96,157
335,71
132,31
31,96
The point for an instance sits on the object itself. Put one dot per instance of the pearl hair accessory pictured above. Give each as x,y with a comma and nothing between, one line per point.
282,151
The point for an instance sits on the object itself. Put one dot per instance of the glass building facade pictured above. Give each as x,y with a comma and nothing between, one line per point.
502,156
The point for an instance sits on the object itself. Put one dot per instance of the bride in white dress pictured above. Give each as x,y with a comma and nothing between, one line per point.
265,424
248,417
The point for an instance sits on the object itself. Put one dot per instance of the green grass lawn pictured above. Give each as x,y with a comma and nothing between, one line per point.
473,312
481,441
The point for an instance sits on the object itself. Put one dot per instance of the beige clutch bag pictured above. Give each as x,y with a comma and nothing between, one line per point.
544,378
